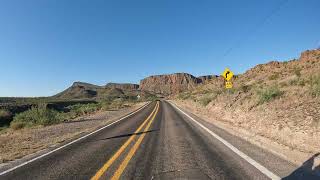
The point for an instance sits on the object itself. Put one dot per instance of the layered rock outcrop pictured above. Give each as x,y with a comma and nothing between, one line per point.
124,86
172,83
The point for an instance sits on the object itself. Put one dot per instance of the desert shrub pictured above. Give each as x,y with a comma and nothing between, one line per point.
5,115
84,109
17,125
105,105
207,98
184,96
297,81
39,115
269,93
297,71
283,84
301,82
245,88
274,76
294,81
204,101
315,85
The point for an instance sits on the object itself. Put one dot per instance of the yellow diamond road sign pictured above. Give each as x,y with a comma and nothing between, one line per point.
227,74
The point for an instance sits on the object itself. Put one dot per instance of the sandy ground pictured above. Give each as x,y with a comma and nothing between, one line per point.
15,144
222,120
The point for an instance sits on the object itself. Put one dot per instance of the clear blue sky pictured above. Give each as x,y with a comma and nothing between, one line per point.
45,45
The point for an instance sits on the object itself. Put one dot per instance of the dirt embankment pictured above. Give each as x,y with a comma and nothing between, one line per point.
275,105
20,143
289,145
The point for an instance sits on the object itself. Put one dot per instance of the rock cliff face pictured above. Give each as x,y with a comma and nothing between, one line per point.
171,83
125,86
310,55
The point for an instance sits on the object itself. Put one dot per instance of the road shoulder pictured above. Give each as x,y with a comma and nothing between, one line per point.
268,159
18,147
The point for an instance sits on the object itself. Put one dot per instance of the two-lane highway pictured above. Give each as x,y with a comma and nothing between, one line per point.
158,142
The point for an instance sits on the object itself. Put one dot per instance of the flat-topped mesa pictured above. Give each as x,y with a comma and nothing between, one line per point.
171,83
122,86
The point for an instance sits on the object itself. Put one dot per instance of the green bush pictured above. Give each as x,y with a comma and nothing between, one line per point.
17,125
84,109
245,88
40,115
269,93
297,71
315,85
274,76
297,81
184,96
4,113
204,101
301,82
294,81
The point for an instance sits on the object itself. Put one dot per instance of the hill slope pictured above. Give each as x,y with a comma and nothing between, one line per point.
278,101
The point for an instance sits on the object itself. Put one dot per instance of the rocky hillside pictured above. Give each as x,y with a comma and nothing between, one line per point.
278,101
124,86
162,85
79,90
172,83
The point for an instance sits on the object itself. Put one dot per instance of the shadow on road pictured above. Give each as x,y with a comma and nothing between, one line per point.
127,135
310,170
83,120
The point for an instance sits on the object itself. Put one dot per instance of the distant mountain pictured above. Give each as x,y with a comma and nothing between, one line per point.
79,90
172,83
124,86
162,85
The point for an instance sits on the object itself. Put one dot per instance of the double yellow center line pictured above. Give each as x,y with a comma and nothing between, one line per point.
132,151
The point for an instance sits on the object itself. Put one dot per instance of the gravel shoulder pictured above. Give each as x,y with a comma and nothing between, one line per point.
16,144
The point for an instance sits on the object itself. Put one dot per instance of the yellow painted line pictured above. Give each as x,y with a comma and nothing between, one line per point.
132,151
122,148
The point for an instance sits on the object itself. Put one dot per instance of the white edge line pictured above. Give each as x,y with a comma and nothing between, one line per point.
72,142
254,163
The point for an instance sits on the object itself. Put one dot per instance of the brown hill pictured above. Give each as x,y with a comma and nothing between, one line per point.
79,90
172,83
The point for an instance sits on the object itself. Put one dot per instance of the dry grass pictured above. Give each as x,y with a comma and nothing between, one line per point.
269,93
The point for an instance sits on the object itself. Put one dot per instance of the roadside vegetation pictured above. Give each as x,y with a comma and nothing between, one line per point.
42,114
269,93
5,116
315,85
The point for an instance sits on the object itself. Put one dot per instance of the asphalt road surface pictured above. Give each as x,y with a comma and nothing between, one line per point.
158,142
